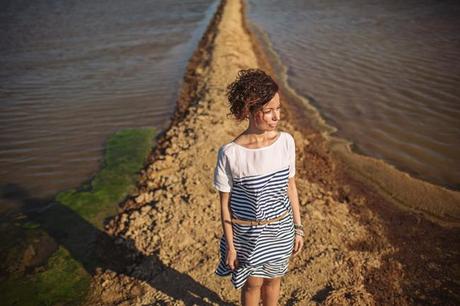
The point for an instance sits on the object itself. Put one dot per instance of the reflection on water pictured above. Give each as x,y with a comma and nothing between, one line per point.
385,73
74,72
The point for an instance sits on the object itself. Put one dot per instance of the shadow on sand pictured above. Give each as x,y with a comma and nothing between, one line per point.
95,249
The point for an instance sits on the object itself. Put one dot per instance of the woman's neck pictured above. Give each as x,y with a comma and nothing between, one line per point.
258,135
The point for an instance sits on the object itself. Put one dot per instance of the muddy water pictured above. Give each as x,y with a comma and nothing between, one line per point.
384,74
74,72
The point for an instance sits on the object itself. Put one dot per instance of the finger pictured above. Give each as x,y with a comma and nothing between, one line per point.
294,249
229,264
300,245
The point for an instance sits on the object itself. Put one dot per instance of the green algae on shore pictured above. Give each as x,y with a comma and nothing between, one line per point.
126,153
61,280
73,221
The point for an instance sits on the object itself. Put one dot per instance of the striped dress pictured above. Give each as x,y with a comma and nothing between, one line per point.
257,180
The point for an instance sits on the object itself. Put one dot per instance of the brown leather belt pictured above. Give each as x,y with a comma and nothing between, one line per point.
259,222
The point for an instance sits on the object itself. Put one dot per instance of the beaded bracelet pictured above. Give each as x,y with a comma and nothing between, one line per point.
298,226
299,232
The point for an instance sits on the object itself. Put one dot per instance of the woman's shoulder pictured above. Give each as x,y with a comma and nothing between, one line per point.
226,148
287,136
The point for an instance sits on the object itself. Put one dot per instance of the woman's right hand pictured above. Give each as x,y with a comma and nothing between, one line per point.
231,261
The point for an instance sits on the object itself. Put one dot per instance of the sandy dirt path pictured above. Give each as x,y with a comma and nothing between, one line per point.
358,250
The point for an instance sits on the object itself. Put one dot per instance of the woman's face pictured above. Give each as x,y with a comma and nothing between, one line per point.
267,118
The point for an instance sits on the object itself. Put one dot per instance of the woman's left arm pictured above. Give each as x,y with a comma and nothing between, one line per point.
294,199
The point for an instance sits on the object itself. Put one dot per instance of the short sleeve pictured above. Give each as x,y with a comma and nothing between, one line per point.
291,150
222,174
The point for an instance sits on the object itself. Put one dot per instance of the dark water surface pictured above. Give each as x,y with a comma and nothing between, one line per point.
386,74
74,72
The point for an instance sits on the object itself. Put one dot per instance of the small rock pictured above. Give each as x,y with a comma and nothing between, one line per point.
140,199
146,208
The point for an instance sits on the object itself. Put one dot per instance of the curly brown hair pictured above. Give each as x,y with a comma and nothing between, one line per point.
251,90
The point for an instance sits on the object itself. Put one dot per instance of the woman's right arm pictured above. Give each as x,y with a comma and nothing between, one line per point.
228,230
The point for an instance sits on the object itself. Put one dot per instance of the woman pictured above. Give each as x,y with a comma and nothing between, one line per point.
258,196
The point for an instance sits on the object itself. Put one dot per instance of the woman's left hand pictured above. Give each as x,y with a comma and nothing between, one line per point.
298,244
